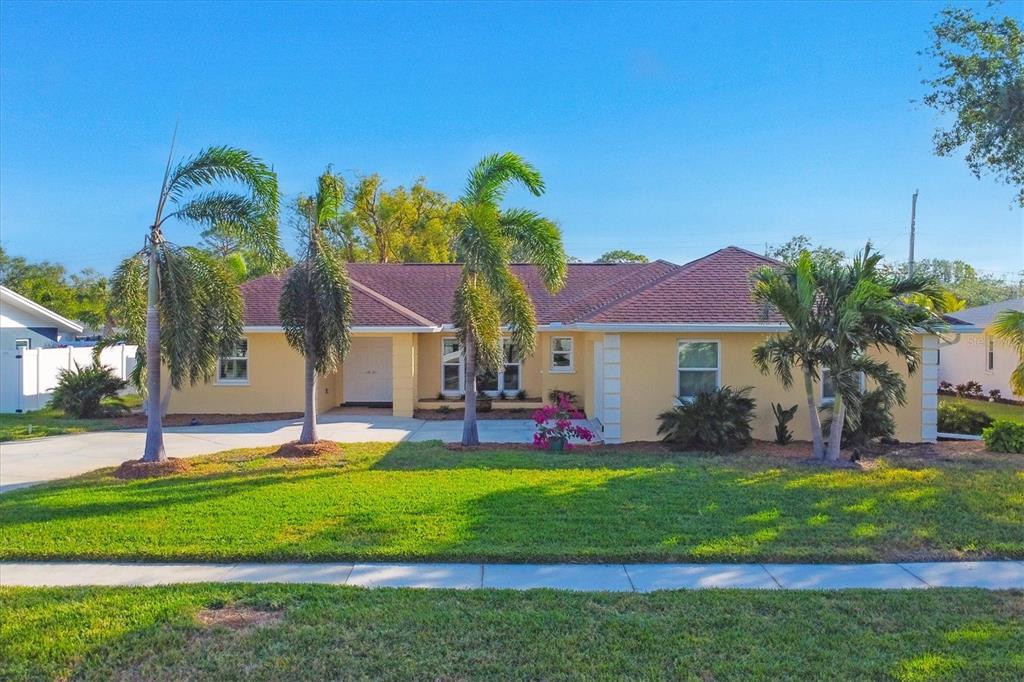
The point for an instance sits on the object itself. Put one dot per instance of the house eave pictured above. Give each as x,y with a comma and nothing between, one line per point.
356,329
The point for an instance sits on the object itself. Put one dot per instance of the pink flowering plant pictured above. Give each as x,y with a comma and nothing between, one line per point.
555,428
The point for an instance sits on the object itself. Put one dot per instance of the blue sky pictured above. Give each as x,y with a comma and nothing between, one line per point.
672,130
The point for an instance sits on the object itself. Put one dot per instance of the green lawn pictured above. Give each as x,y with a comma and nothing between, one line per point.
1013,413
323,632
52,422
421,502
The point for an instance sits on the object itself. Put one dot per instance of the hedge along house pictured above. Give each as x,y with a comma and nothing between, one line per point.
628,339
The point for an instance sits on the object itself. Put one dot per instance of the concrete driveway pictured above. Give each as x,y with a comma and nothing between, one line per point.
29,462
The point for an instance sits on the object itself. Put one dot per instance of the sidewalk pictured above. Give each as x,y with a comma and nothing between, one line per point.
993,575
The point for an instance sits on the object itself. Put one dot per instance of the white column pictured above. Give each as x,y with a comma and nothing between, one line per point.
612,371
929,388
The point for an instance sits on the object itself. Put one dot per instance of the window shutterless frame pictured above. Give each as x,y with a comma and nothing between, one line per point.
233,370
828,391
701,366
453,368
562,354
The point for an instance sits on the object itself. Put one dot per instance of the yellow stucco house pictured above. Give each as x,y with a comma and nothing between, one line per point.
628,339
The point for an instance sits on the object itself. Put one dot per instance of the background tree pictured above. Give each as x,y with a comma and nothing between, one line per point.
981,83
489,294
861,308
621,256
402,225
1009,326
315,306
791,251
792,292
181,301
81,296
964,282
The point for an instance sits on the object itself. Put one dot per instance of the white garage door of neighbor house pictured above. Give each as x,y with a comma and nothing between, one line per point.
367,371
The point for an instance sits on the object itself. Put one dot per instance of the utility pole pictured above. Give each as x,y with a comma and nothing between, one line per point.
913,226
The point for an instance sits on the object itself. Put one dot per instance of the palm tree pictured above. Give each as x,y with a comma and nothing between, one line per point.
862,308
489,295
1009,326
182,301
792,292
315,305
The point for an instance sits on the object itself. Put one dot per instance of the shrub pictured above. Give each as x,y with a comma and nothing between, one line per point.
555,428
995,394
875,421
81,392
717,420
971,389
959,418
945,387
1004,436
783,416
555,396
521,395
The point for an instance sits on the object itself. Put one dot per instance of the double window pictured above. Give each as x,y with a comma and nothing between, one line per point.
234,368
453,370
699,368
561,354
828,389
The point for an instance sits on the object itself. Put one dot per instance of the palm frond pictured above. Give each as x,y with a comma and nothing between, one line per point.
219,164
539,241
490,178
476,311
1009,326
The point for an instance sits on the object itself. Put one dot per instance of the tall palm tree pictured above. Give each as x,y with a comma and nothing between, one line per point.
489,296
862,308
792,292
183,302
1009,326
315,305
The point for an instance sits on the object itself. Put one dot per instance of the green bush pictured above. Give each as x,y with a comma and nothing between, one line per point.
875,421
88,392
783,415
959,418
1004,436
717,420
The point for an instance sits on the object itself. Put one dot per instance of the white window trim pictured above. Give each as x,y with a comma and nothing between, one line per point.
990,355
571,369
27,342
680,399
462,368
829,400
246,357
501,375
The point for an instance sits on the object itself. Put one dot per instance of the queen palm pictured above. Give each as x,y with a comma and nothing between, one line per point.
1009,326
183,302
315,306
792,292
489,295
862,308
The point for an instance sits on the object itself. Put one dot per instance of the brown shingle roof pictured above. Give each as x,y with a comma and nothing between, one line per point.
713,289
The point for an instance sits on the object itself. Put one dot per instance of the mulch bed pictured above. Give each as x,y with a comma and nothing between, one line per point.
321,448
459,414
135,421
135,469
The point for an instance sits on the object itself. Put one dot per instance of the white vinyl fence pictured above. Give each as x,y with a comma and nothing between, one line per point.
28,377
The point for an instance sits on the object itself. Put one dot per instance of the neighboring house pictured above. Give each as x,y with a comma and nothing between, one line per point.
628,339
980,356
26,324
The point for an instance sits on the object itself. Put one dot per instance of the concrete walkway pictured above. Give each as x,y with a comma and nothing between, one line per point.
28,462
992,575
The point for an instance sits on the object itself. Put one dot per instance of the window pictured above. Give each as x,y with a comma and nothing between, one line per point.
452,368
561,354
508,379
828,390
990,355
234,368
698,368
22,344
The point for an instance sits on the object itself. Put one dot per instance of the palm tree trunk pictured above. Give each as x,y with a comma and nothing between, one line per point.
154,450
817,444
470,436
309,434
835,436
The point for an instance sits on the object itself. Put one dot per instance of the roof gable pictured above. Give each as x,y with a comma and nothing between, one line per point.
9,297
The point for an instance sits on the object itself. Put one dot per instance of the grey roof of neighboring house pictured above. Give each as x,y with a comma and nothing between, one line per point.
984,314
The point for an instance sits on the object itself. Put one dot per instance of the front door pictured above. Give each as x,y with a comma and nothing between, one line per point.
367,372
